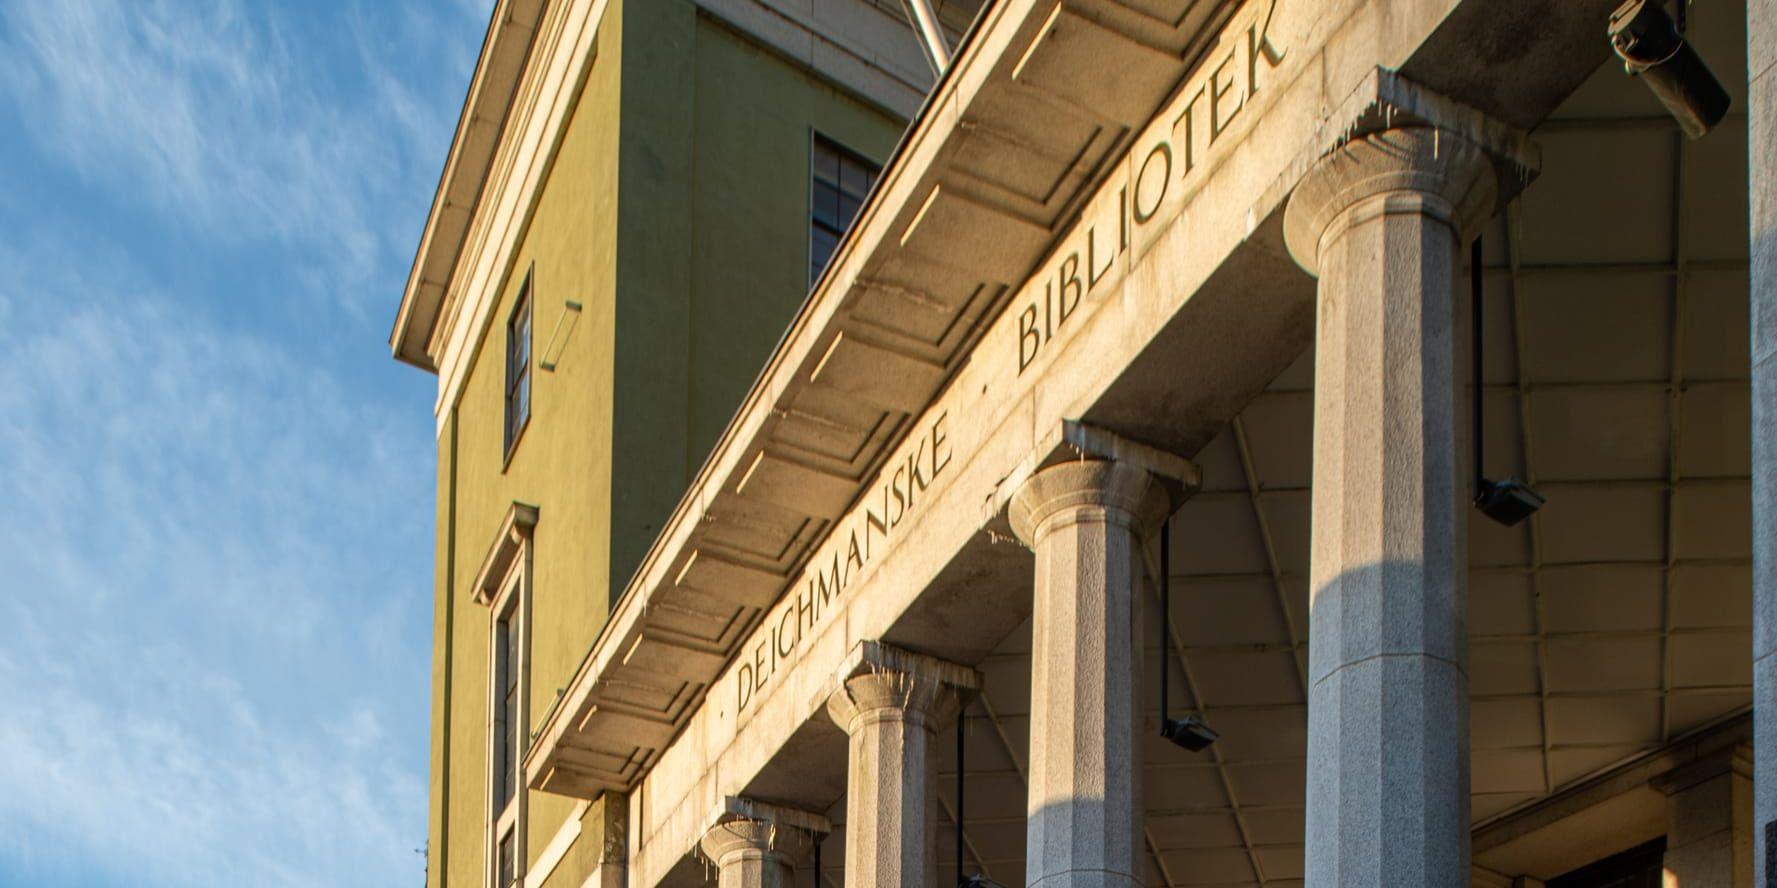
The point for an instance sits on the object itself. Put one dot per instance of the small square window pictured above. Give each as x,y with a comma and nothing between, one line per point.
840,180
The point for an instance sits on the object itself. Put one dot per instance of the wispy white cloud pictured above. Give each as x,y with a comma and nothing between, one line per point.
214,545
247,121
216,573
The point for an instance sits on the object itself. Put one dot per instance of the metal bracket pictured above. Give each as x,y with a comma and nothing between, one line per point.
544,361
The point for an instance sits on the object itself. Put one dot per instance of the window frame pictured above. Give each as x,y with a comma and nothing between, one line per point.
512,607
818,141
524,308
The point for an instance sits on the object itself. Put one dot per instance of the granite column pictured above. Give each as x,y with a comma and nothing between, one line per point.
1761,66
1088,522
1380,221
759,851
891,704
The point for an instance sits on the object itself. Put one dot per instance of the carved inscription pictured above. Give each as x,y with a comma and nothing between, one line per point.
1087,263
899,491
1159,172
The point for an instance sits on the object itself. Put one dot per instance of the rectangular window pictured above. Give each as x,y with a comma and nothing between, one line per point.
518,366
839,181
506,720
508,875
507,736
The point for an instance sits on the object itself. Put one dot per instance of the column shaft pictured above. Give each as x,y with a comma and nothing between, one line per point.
891,829
1761,34
1087,522
1388,794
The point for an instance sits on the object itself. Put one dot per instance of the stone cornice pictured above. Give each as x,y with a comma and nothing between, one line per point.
460,185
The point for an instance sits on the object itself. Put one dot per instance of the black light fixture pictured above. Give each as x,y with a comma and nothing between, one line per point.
1510,501
1654,49
1189,732
961,719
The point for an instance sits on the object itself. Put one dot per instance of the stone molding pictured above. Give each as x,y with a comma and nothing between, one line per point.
882,682
745,829
1126,494
740,839
1731,759
514,534
1423,170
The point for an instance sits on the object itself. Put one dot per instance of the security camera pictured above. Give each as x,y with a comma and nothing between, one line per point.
1653,49
1189,732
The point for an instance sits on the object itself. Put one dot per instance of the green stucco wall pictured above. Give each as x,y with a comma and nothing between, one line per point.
675,212
713,258
750,193
560,464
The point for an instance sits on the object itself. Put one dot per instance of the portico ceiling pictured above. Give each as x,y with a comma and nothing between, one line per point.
1615,620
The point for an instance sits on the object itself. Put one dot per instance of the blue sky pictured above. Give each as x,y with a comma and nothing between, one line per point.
215,485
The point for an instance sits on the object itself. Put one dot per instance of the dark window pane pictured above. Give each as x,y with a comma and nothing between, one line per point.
824,204
854,177
840,180
518,364
508,875
505,758
826,161
822,247
1642,866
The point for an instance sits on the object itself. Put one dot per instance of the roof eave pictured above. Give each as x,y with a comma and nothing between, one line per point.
467,162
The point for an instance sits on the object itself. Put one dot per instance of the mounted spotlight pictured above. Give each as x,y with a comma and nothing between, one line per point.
979,881
1653,48
1509,501
1189,732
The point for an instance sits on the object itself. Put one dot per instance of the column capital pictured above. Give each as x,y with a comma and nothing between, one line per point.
879,680
745,828
1413,169
1121,489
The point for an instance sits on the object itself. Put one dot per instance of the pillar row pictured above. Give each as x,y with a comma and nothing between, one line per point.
1380,221
891,704
1087,522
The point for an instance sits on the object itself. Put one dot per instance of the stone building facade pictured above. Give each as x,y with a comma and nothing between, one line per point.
1038,442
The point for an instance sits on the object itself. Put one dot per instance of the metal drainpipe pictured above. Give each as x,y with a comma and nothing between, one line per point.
931,36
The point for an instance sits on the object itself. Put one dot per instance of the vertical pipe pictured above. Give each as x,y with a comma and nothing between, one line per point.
961,719
930,33
1475,358
1165,614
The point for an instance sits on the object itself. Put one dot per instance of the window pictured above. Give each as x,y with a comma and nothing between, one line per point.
1642,866
518,366
507,738
840,181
